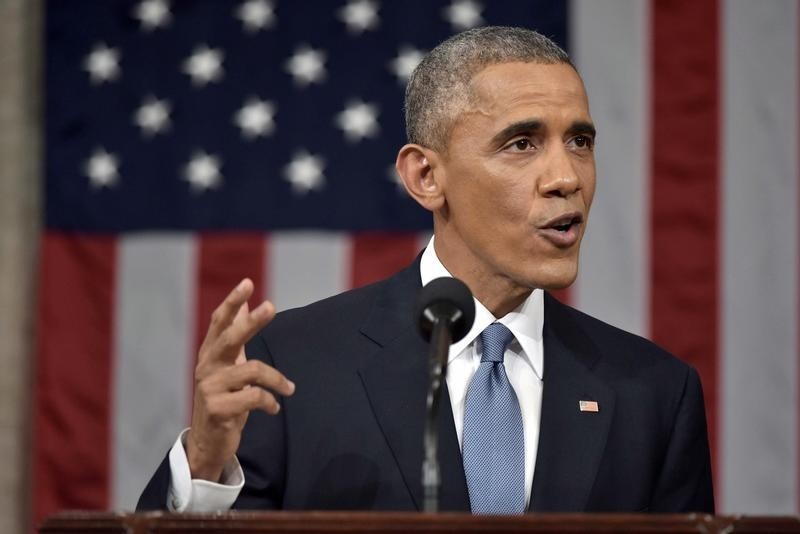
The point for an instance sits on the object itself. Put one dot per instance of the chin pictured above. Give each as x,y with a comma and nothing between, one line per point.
556,284
559,276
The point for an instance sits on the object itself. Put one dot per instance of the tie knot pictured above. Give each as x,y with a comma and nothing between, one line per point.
495,339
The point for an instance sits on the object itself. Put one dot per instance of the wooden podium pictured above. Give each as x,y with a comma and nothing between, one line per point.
369,522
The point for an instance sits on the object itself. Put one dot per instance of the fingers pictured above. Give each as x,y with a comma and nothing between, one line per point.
241,358
233,324
224,314
251,373
227,346
230,405
227,386
247,324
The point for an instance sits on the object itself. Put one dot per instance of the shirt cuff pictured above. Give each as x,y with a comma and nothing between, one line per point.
194,495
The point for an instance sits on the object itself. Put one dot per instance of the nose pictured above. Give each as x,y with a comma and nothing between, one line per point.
559,177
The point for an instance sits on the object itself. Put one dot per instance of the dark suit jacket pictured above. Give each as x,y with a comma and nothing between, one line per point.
351,435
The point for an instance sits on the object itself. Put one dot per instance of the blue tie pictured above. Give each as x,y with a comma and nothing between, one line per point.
494,444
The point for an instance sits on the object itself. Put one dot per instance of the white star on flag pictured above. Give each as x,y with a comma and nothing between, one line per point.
463,14
256,15
406,61
359,15
358,120
202,172
152,14
204,65
152,116
102,64
304,172
255,118
307,65
102,169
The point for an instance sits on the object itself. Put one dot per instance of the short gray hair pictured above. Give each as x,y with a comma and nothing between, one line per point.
439,88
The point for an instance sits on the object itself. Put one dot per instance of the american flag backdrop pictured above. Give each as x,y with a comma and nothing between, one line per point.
191,143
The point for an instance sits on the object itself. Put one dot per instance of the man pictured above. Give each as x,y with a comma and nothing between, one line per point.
546,409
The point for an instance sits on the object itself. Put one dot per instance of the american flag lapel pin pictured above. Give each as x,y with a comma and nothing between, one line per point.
588,406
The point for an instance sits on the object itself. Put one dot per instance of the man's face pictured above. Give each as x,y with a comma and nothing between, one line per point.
519,177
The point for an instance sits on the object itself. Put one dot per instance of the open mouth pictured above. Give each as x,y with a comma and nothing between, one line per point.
565,223
564,230
564,227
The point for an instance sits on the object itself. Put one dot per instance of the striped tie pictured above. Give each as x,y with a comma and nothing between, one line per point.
494,446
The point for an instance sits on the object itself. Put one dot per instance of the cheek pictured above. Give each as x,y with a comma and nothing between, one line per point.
587,171
589,187
491,196
473,190
506,206
513,189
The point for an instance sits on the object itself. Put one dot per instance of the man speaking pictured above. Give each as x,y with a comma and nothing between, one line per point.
323,407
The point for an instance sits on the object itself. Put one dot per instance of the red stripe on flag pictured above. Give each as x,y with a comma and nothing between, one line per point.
377,255
72,398
224,260
685,187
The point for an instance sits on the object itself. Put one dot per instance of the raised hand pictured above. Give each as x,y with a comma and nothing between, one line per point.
228,385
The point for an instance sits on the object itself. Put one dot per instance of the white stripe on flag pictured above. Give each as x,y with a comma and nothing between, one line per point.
760,236
153,356
610,46
303,267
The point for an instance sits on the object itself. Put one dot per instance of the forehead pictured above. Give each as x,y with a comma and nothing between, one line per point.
508,92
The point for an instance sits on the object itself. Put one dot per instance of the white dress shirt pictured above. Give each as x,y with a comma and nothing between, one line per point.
524,362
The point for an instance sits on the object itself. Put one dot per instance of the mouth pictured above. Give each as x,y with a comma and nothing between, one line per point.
564,222
563,230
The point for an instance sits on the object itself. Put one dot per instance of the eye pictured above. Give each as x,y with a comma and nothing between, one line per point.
522,144
583,141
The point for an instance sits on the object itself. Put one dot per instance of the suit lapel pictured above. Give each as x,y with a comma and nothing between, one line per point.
571,441
395,379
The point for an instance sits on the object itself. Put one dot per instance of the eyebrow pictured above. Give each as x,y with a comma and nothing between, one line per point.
582,128
529,126
536,125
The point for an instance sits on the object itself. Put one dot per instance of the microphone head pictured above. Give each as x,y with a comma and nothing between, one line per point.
448,299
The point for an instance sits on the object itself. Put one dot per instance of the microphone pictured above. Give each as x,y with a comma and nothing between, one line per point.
445,299
445,312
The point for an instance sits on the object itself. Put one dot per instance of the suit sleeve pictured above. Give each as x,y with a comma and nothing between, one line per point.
261,455
262,451
684,484
154,496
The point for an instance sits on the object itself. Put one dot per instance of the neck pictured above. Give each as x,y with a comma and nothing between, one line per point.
499,294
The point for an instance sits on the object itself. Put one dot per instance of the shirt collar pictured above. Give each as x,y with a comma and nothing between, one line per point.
525,321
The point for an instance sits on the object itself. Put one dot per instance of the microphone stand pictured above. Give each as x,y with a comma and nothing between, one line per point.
440,345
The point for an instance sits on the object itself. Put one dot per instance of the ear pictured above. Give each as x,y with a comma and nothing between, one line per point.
417,167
